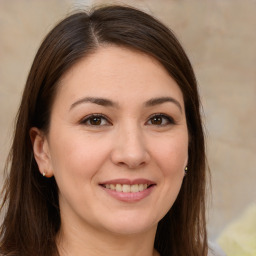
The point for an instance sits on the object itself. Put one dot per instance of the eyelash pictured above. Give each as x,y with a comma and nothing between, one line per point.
85,121
168,119
89,118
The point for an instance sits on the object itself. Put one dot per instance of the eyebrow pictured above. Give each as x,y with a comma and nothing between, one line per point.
108,103
161,100
98,101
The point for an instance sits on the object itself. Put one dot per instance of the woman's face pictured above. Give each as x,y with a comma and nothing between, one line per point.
118,142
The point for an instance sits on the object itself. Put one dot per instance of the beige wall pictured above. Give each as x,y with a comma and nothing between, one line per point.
220,39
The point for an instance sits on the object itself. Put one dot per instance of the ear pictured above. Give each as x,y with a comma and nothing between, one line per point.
41,151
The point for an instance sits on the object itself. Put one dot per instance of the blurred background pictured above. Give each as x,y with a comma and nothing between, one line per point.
219,37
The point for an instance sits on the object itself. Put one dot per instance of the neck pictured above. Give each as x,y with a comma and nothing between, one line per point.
91,242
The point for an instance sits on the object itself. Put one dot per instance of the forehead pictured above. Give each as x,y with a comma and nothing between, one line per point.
113,72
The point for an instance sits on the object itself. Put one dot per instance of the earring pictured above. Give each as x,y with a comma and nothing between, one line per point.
43,174
186,170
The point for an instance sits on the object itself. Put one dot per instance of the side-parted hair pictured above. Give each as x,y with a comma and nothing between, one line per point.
32,215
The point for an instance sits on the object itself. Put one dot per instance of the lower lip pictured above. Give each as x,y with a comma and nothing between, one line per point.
129,197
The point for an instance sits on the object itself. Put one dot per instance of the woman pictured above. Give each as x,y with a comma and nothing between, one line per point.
108,155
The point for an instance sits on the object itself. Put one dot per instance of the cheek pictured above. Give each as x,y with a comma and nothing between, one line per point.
79,157
171,154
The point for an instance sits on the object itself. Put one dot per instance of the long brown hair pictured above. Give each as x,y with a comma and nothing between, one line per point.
32,217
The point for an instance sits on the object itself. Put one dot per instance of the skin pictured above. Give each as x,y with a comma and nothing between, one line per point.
127,142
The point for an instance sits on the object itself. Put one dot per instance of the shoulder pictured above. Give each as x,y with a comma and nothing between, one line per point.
215,250
240,235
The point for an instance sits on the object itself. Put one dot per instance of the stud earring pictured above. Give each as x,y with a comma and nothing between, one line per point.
43,174
186,170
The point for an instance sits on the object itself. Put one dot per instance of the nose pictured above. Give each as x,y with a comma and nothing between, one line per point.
130,149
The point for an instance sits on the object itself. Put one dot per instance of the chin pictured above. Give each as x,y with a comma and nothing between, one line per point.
129,226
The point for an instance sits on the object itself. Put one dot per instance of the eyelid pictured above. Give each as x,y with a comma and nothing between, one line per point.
168,117
86,119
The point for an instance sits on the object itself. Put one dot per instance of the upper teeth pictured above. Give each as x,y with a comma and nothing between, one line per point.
126,188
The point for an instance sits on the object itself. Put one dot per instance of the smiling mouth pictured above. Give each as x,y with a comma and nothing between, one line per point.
127,188
129,191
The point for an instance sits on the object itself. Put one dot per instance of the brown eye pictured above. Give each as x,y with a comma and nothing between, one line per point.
156,120
160,120
95,120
